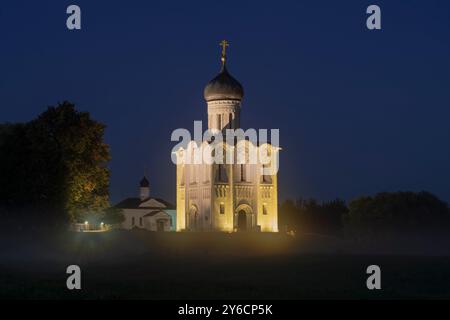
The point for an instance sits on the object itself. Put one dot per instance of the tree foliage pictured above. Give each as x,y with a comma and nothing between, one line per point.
386,214
312,216
113,216
55,165
383,215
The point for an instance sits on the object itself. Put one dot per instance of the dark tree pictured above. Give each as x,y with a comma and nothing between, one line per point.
289,216
388,214
313,217
113,216
55,165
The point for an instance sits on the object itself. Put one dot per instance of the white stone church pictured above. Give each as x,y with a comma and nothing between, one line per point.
225,197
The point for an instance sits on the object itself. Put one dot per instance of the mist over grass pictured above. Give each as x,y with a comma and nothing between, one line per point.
147,265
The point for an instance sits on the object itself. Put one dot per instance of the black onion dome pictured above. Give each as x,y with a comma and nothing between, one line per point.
144,182
223,87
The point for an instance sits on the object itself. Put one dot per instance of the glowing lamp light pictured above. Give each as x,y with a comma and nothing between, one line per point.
86,223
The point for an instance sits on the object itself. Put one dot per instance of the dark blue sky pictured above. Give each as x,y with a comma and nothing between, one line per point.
359,111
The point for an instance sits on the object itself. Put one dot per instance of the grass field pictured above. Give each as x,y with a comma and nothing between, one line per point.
144,265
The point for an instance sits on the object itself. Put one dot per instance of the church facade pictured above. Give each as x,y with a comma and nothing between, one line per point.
146,212
226,197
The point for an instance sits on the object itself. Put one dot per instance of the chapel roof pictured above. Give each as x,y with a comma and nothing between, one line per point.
151,214
137,203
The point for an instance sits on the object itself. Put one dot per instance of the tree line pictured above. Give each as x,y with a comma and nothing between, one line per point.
382,215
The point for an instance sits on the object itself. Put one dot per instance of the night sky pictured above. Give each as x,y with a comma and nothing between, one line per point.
359,111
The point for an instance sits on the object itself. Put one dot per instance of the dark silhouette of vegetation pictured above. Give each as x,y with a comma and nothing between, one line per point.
54,167
113,216
312,216
383,215
390,214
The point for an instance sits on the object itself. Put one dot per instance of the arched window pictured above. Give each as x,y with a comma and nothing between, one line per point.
221,173
243,173
266,178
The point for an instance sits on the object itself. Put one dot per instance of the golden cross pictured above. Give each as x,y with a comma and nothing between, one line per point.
224,44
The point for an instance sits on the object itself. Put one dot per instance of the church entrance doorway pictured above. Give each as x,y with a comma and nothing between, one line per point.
242,221
160,225
244,218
